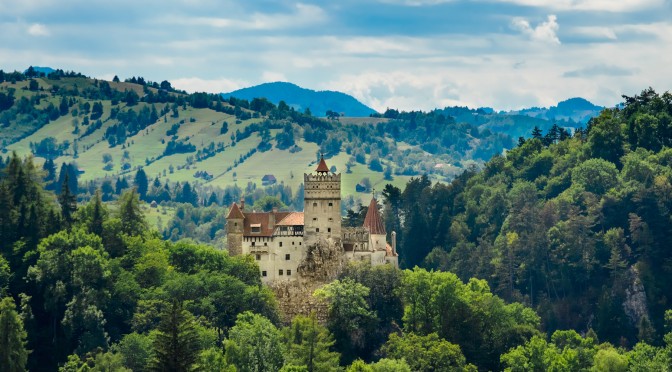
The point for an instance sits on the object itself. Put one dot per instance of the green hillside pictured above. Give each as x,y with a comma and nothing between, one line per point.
111,129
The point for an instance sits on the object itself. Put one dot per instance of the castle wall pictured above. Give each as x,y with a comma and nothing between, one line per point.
234,236
321,207
278,257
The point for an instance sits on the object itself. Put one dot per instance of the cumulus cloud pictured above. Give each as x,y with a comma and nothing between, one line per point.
37,29
194,84
604,70
301,15
592,5
544,32
596,32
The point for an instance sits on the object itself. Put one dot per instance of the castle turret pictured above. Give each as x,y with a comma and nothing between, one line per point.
322,204
374,224
234,230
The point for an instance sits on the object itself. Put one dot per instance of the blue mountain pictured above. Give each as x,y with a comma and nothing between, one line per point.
319,102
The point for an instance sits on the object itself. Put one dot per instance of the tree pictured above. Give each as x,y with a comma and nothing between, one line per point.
141,183
135,350
308,344
254,344
176,344
425,353
13,353
68,202
132,219
268,203
349,315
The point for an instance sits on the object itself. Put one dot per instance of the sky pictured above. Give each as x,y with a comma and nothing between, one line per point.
403,54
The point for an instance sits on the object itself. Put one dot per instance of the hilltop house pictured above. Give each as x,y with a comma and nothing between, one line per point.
282,241
268,180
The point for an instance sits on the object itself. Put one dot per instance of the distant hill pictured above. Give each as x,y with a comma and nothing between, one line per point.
42,70
319,102
575,109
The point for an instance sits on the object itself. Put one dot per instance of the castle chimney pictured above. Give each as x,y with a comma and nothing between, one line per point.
394,243
242,203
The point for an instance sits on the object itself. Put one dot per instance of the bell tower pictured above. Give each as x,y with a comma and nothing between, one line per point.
321,204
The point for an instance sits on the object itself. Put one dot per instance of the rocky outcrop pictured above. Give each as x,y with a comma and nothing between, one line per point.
296,298
635,306
324,261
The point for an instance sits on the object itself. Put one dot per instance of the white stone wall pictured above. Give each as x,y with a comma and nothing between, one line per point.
322,207
272,257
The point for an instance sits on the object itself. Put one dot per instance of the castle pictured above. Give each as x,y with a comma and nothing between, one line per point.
285,244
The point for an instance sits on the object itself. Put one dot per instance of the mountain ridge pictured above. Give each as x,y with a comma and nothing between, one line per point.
317,101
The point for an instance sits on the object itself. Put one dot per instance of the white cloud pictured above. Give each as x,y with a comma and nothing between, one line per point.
37,29
545,31
595,32
301,15
272,76
614,6
194,84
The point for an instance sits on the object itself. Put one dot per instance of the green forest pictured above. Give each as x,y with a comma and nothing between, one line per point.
553,256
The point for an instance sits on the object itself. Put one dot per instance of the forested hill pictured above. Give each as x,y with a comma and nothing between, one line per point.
108,131
579,229
302,99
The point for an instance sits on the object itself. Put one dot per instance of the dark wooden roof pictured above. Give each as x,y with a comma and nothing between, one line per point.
322,167
263,220
235,212
372,221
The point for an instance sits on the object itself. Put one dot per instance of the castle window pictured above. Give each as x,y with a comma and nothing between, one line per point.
331,219
317,229
281,244
253,244
263,273
287,257
314,205
255,227
314,218
280,272
265,244
289,272
258,257
235,224
329,229
299,243
331,204
292,243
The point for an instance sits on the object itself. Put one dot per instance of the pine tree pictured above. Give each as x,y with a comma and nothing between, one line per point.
13,353
141,183
97,214
132,219
68,202
176,345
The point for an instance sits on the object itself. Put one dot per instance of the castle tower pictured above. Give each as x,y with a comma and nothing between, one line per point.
374,224
234,230
321,204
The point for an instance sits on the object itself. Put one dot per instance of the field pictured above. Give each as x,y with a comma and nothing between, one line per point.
199,127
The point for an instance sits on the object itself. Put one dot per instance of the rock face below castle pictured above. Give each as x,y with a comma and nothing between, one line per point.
309,246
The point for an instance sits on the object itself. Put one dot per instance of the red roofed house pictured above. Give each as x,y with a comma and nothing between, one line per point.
279,241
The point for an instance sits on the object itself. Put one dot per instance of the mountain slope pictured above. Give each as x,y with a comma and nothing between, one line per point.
319,102
575,109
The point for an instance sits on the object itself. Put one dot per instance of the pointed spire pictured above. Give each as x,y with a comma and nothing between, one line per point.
322,167
235,212
372,221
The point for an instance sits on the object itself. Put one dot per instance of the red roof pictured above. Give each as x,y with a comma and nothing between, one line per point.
372,221
235,212
263,221
292,219
322,167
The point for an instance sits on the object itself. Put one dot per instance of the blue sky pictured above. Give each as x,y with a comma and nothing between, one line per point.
406,54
